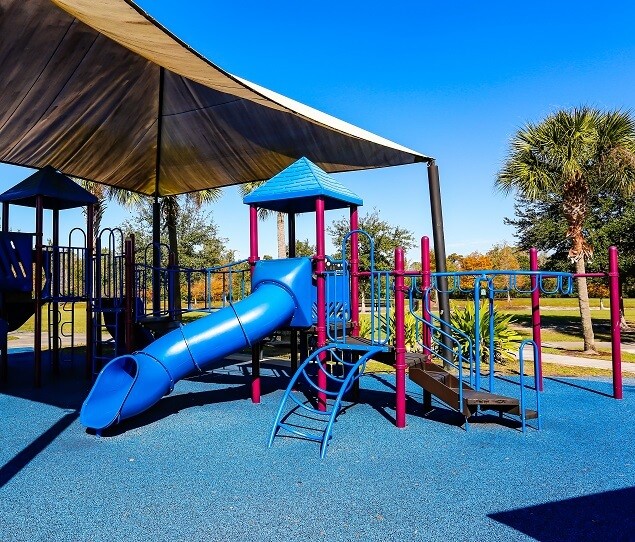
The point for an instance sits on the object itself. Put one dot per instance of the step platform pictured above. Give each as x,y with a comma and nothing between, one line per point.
445,386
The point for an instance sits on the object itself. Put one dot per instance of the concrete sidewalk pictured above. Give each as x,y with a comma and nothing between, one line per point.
576,361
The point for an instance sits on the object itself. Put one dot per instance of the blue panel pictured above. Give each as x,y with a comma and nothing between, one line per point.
16,261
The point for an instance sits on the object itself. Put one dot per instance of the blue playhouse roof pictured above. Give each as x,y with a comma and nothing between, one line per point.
295,189
57,190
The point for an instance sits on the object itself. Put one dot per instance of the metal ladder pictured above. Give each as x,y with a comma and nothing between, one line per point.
297,413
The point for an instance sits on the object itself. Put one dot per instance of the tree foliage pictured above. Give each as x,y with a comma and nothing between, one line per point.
199,243
385,236
304,248
611,221
562,161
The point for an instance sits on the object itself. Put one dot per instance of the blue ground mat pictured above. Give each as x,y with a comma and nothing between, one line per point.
196,467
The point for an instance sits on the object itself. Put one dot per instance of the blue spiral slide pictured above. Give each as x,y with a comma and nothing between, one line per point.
282,293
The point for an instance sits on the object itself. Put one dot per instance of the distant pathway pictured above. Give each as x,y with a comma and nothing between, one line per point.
25,340
576,361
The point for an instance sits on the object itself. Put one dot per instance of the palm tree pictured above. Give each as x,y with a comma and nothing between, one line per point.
170,209
562,157
248,188
105,193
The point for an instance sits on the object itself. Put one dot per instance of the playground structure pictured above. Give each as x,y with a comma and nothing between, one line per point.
443,366
308,297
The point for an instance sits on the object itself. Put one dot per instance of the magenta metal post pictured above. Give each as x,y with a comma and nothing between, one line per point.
253,258
37,336
354,272
89,266
54,316
535,311
400,340
129,292
426,282
616,333
320,248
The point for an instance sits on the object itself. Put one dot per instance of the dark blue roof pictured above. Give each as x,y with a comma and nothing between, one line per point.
58,191
295,189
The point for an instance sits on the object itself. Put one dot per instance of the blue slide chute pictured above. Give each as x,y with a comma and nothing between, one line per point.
281,296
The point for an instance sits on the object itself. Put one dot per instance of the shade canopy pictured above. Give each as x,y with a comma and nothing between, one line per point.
295,189
101,91
57,191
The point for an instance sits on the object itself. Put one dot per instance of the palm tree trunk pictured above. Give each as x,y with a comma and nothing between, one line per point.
282,247
171,217
585,310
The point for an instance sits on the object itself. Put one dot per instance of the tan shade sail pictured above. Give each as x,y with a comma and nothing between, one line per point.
99,90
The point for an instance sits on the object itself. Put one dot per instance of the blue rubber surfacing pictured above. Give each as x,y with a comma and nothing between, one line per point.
196,467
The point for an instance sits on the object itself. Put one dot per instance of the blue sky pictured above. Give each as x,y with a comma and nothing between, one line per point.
451,80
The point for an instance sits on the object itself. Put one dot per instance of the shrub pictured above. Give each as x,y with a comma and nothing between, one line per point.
506,339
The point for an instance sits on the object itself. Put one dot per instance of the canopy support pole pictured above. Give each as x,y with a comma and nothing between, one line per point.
156,208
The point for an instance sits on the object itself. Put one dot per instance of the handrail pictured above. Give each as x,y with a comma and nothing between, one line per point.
563,283
521,369
457,350
351,371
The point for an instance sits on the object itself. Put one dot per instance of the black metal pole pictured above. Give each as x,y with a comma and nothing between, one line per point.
156,208
439,252
5,216
4,327
156,257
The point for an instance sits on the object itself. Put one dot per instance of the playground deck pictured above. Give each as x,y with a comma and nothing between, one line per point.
196,467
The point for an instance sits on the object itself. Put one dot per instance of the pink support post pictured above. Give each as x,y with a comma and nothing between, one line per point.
354,272
89,266
320,243
253,258
400,340
39,280
253,235
426,282
616,333
535,311
129,292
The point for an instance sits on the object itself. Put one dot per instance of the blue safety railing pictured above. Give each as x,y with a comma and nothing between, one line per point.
536,383
456,359
206,289
483,287
341,369
338,296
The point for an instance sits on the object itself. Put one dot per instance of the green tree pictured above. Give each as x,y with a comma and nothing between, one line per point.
304,248
610,221
199,244
559,160
385,236
505,258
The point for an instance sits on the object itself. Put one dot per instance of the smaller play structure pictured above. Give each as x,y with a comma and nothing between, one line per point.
33,275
